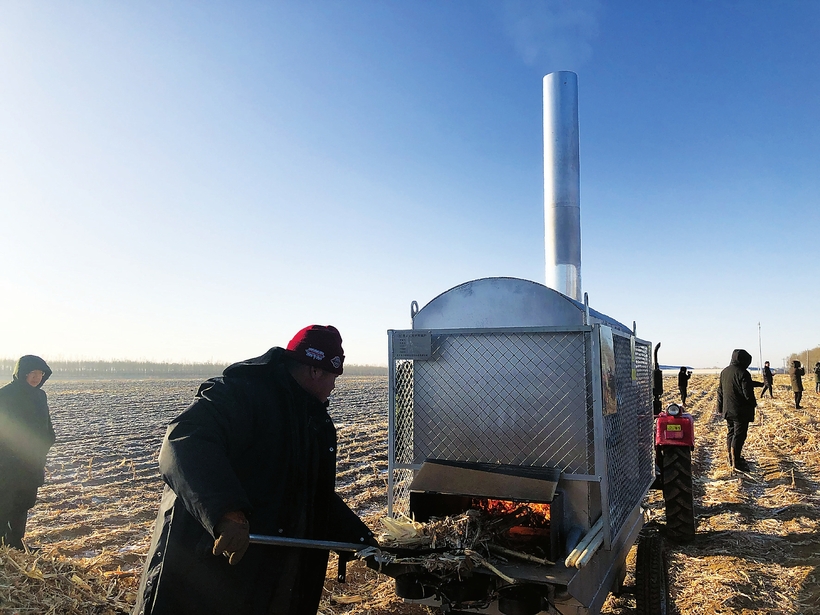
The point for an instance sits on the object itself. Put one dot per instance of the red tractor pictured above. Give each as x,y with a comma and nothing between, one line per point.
674,443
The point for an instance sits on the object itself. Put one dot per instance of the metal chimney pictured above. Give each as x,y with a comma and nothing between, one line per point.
562,184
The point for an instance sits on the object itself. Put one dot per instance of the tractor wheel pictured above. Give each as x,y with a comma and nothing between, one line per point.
677,493
651,582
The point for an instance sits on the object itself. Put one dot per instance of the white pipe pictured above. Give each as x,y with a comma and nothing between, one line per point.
591,534
562,184
592,547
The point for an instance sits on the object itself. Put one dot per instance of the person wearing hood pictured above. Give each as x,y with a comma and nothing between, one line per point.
817,377
683,383
796,373
254,453
736,402
26,435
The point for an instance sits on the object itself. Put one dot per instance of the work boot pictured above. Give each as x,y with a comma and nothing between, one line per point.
741,464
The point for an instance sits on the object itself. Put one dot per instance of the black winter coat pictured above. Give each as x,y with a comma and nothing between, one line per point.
736,398
768,376
683,379
252,440
26,432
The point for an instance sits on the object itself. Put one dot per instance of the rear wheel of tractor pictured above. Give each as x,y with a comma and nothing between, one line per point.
677,493
651,582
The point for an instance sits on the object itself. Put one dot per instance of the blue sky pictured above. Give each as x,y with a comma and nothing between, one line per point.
199,180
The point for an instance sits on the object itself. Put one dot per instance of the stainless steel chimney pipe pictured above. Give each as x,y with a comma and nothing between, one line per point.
562,184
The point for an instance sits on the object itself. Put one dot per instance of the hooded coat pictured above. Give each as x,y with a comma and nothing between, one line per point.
683,379
796,374
253,440
736,398
26,432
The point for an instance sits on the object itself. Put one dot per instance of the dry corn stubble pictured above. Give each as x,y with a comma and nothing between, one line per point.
757,549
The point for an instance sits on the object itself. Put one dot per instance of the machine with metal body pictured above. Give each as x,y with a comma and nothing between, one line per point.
522,394
506,392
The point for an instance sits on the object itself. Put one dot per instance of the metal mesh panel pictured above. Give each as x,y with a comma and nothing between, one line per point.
512,398
629,434
401,492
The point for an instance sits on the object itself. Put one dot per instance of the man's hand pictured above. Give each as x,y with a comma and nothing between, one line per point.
232,536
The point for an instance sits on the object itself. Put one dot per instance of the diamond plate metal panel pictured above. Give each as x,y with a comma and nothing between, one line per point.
512,398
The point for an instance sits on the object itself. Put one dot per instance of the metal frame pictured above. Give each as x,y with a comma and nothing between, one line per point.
401,471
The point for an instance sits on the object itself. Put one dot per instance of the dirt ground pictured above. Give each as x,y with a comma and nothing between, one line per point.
757,548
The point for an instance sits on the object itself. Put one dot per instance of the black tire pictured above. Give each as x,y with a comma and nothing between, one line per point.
651,581
677,493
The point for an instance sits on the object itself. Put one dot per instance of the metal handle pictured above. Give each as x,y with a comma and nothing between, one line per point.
305,543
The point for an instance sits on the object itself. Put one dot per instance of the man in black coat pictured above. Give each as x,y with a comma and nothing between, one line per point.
736,402
26,435
254,453
683,383
768,380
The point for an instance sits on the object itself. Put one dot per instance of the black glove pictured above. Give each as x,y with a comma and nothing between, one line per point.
232,537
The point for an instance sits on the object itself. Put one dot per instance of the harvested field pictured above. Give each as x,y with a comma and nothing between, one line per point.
757,549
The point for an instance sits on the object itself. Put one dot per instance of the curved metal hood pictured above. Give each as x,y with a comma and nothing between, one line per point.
490,303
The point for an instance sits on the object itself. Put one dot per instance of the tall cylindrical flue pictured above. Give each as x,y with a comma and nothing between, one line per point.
562,184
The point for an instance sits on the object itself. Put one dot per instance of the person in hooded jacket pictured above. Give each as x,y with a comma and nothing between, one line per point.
796,373
683,383
817,377
254,453
736,402
26,435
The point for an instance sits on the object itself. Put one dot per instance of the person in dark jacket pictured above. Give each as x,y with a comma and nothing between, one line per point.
736,402
26,435
817,377
254,453
683,383
796,373
768,380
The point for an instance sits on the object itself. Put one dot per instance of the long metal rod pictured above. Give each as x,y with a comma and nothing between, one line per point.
304,543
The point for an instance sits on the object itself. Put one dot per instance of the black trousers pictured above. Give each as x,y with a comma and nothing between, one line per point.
736,437
798,395
766,387
683,396
14,505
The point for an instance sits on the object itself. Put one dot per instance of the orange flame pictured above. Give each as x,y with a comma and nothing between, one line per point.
506,507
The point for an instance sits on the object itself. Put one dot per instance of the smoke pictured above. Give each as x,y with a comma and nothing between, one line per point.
552,34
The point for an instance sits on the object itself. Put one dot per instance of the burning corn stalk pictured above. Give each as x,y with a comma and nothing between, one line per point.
457,543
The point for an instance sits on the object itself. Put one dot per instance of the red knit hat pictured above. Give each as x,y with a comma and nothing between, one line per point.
318,346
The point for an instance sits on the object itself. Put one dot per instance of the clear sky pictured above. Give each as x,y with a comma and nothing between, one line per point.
193,181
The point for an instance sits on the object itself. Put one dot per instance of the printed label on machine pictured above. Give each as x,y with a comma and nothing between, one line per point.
412,345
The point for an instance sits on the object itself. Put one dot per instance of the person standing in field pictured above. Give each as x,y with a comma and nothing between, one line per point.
683,383
254,452
817,377
768,380
736,402
26,435
796,373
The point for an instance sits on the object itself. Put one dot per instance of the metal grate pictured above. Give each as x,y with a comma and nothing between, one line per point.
629,433
512,398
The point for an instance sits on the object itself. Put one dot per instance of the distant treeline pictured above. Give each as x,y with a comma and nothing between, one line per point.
103,370
807,358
